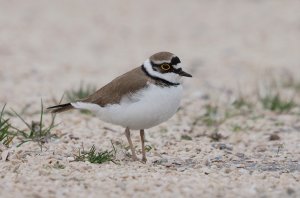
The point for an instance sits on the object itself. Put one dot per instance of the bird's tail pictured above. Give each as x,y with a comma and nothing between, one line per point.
61,108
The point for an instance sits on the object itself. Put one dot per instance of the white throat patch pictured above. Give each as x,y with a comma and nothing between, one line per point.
171,77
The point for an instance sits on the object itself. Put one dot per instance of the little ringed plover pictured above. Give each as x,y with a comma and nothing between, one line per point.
139,99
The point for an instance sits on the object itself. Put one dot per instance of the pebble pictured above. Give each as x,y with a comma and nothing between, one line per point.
240,155
4,155
217,159
274,137
290,191
206,171
222,146
161,161
71,159
243,171
240,166
261,149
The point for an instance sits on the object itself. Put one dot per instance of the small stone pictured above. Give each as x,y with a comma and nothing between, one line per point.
243,171
290,191
240,166
240,155
274,137
2,147
161,161
186,137
4,155
72,137
71,159
206,171
121,185
198,150
207,162
261,149
216,137
181,169
217,159
222,146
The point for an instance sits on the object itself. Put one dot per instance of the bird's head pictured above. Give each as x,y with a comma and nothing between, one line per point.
166,66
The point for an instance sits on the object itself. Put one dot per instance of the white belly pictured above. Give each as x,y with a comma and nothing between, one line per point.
143,110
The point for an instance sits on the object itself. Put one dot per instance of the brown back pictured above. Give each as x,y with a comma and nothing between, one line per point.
125,84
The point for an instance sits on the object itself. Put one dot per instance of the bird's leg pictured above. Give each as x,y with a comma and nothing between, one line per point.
142,133
127,133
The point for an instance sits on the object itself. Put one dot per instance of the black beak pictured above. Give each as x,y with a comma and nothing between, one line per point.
183,73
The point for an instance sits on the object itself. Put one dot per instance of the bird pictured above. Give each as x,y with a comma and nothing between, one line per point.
140,99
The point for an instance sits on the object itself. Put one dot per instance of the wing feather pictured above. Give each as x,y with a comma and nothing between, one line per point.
124,85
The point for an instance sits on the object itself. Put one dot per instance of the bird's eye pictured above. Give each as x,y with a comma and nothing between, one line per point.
165,66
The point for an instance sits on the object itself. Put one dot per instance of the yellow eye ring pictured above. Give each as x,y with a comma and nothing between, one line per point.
165,66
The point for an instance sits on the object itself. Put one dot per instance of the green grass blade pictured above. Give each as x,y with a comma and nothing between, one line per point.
19,116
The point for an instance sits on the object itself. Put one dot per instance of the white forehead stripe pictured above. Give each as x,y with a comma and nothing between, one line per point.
171,77
178,66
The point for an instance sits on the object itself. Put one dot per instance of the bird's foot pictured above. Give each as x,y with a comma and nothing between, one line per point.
144,160
134,158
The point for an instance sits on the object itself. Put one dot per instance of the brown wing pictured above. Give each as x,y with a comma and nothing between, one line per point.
113,92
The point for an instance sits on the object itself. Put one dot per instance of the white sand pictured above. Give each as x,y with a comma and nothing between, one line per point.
47,48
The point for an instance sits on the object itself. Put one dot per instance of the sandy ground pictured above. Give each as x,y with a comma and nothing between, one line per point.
48,47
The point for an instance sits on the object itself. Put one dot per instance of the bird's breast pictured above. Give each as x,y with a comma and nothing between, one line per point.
145,108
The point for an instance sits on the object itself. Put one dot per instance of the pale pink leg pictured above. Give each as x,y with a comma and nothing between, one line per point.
142,133
127,133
